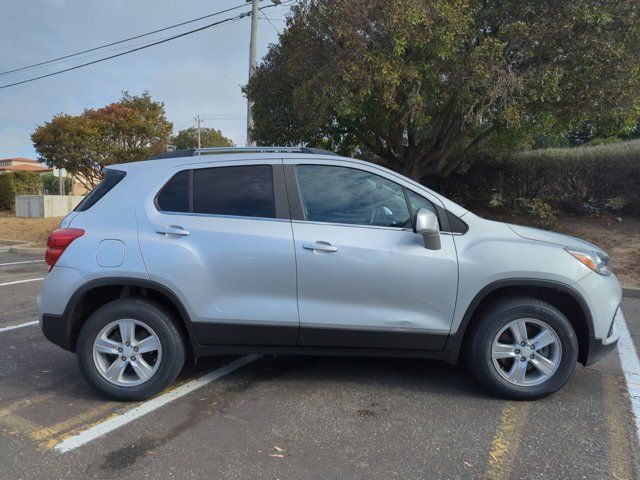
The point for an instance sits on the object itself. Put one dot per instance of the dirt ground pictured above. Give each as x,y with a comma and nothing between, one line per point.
34,230
621,239
619,236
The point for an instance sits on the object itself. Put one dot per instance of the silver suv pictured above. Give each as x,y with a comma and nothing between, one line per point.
299,251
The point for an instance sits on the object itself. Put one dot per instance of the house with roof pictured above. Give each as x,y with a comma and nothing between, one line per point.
20,164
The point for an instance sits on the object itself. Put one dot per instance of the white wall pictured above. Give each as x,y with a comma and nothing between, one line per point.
43,206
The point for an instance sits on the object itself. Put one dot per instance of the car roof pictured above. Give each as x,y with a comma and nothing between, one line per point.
174,161
222,150
226,154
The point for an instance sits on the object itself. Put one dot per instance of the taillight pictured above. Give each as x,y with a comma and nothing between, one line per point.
58,241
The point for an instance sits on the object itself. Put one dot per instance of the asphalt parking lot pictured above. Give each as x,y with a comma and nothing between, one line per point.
301,417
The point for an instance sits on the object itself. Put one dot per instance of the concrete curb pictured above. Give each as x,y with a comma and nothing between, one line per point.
6,242
631,292
28,248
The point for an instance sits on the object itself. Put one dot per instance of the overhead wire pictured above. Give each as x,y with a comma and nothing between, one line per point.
158,42
138,48
124,40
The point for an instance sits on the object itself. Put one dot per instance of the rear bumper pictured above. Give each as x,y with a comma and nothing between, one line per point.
599,347
53,302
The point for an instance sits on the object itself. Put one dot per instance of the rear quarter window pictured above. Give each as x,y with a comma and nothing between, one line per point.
110,180
174,196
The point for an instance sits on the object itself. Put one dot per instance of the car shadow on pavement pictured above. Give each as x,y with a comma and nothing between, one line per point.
411,374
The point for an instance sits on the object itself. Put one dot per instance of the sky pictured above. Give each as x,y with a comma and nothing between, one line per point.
197,74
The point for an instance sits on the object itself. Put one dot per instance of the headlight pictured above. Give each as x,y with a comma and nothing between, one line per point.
596,261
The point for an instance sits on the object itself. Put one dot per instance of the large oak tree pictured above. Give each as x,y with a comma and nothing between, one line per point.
420,85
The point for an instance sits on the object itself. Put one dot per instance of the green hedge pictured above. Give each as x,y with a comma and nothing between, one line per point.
18,183
572,179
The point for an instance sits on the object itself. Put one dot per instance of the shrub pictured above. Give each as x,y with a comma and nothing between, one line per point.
18,183
27,183
7,192
539,212
593,175
575,179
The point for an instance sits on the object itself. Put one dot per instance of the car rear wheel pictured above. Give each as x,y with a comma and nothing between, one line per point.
523,348
130,349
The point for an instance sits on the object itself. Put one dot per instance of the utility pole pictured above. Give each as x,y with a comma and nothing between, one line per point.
253,47
199,122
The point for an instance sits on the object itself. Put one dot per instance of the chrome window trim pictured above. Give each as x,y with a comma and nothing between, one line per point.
217,215
334,224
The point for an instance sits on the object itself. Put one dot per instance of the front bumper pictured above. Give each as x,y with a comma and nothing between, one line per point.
599,347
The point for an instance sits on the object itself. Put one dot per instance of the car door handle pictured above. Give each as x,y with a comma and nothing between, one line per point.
320,246
173,230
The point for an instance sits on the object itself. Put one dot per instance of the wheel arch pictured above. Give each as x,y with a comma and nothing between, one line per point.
96,293
562,296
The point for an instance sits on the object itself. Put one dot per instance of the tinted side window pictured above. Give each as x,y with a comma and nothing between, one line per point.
174,196
418,201
457,225
245,191
346,195
111,179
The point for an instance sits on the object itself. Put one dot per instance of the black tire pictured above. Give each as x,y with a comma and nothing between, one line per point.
171,341
493,320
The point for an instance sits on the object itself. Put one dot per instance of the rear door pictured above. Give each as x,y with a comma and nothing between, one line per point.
219,236
365,279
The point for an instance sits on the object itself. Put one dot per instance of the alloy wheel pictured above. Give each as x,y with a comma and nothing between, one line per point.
526,352
127,352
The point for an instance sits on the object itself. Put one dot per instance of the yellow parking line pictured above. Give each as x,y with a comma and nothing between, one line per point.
24,403
77,421
51,442
18,424
618,452
11,419
506,441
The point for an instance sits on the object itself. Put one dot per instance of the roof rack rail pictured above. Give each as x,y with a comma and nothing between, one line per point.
221,150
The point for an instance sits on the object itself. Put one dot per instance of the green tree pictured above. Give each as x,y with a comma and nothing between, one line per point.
132,129
51,184
420,86
209,137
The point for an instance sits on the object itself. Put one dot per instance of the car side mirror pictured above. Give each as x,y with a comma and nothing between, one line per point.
428,226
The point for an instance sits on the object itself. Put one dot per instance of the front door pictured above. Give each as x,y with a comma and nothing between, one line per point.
365,279
219,237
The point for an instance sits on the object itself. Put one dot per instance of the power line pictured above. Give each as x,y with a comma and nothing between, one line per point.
46,62
269,20
158,42
234,115
126,52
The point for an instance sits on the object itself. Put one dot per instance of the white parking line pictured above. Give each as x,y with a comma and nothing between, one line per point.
149,406
20,325
20,263
16,282
631,369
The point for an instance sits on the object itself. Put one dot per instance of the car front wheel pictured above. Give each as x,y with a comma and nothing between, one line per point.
523,348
